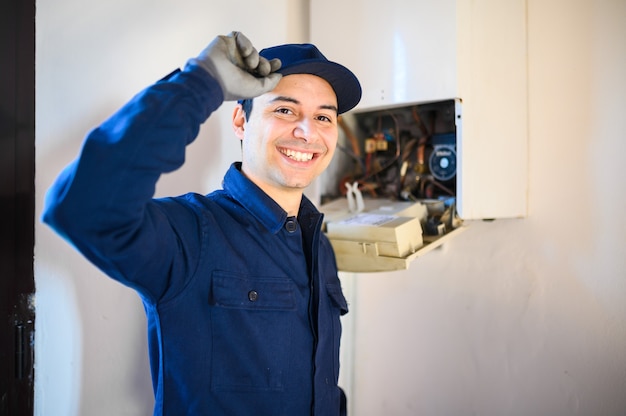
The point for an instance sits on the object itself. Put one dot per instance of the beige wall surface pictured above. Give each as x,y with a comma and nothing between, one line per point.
525,316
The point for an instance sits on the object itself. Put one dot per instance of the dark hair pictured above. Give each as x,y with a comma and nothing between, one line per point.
247,107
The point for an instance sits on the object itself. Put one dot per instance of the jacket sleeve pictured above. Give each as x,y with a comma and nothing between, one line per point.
102,202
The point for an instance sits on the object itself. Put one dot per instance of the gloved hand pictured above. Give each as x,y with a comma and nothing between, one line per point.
237,67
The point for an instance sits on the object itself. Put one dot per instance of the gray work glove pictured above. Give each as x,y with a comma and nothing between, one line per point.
237,67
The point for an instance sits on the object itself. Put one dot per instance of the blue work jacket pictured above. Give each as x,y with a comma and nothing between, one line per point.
243,302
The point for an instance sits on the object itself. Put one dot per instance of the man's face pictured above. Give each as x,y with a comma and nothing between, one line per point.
291,134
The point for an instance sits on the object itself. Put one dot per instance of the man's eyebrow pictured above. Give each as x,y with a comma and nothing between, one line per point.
330,107
284,98
294,101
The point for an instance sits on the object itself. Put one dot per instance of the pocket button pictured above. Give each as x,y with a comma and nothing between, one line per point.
253,295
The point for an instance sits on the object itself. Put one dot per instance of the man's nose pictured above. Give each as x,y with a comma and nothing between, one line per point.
305,130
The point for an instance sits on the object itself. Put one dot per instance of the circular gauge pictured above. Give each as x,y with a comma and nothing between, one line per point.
442,163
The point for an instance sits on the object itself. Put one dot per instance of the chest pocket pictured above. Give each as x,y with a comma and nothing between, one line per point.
251,314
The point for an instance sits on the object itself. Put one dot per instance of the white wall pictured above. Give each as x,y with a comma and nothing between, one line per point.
513,317
92,57
521,317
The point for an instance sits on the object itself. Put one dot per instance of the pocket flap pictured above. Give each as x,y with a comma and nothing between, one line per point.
257,293
336,295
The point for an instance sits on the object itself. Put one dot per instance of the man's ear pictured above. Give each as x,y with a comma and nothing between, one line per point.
239,121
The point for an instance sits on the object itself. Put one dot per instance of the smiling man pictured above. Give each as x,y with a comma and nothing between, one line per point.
240,286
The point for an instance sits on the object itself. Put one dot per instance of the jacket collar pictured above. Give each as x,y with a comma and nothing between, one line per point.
258,203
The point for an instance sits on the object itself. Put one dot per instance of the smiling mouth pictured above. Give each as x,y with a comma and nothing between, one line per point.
297,156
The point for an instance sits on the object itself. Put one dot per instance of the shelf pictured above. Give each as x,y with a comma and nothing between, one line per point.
372,264
390,241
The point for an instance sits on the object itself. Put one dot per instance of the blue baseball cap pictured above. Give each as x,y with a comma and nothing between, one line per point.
305,58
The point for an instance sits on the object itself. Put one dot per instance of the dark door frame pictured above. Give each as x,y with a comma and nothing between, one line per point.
17,205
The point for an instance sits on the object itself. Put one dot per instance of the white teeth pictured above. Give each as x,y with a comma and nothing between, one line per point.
298,156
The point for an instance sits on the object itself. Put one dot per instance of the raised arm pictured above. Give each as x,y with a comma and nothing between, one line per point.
102,202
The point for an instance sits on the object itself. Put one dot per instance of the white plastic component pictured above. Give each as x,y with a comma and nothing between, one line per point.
355,198
387,235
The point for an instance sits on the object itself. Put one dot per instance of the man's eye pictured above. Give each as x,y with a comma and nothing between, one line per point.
324,118
283,110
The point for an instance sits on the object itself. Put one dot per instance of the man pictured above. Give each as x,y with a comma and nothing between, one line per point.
240,286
